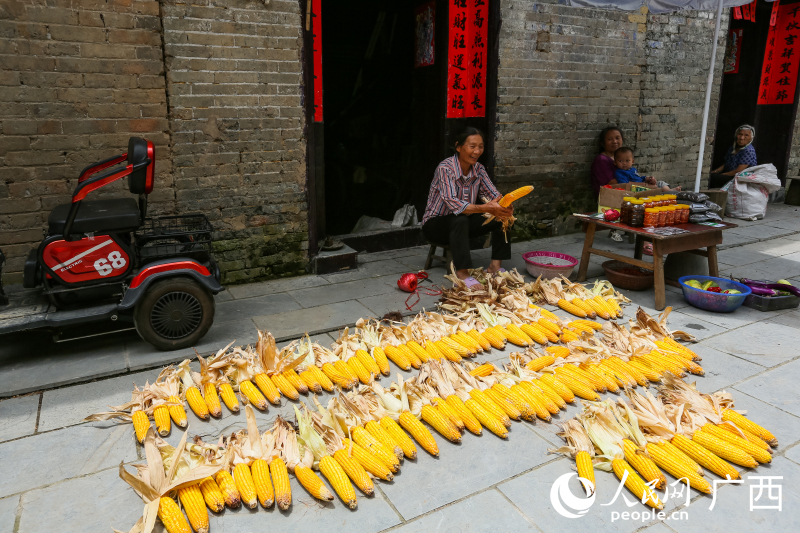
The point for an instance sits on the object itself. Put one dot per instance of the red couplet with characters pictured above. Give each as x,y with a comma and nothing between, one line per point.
90,259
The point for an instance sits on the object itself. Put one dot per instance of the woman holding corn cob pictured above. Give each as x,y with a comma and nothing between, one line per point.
453,215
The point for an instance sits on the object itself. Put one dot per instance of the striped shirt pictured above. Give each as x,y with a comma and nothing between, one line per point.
451,192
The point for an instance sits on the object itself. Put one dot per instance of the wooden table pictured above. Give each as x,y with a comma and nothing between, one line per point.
699,236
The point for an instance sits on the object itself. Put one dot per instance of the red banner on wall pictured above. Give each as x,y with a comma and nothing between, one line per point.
316,27
781,58
466,67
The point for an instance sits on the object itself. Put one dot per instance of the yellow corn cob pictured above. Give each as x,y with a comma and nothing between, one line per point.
733,428
549,325
536,392
161,418
759,454
729,415
504,404
176,412
337,477
364,375
612,313
497,341
380,358
646,371
197,403
319,377
677,468
171,516
280,482
594,382
541,362
549,335
482,370
614,305
419,351
578,388
532,400
312,483
440,423
355,472
227,485
571,308
262,482
268,388
534,333
590,323
480,339
501,331
636,484
382,436
363,438
212,400
397,357
292,377
400,437
513,338
514,195
457,347
488,404
253,395
245,485
671,344
643,464
192,501
487,419
517,399
140,424
448,413
465,415
468,341
413,360
346,371
559,397
666,363
581,326
687,364
368,362
513,328
563,373
433,350
286,388
419,432
598,373
678,455
212,495
599,310
583,306
335,376
704,457
447,352
545,313
583,462
568,335
724,449
620,372
229,397
310,380
371,463
635,374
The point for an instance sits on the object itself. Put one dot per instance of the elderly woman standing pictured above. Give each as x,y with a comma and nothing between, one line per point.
740,156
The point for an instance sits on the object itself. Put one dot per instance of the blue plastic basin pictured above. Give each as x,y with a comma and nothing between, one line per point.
715,301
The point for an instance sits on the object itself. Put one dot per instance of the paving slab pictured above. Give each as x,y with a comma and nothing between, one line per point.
90,504
487,511
368,270
262,305
793,453
785,223
70,405
308,514
783,424
392,254
730,239
722,369
775,386
701,329
18,417
775,247
760,231
85,450
742,255
764,343
428,483
340,292
252,290
8,513
313,320
396,301
224,296
741,317
790,318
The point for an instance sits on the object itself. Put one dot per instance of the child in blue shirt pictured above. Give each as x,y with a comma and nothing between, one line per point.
627,173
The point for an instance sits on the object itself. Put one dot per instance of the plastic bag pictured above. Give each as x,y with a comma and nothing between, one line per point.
405,216
712,206
749,192
692,197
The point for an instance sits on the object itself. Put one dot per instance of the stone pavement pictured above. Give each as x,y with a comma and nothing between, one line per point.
58,474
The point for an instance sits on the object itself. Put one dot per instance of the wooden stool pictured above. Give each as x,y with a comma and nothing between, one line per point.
446,258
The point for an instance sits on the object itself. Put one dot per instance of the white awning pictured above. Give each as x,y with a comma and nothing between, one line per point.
658,6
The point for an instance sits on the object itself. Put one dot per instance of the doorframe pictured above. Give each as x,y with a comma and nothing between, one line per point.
311,131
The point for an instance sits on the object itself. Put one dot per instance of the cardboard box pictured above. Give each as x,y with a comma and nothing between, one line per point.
612,198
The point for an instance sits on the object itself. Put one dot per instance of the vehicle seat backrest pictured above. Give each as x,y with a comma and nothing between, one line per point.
140,150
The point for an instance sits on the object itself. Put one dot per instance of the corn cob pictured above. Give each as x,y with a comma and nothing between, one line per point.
497,341
355,472
335,376
482,370
599,310
534,402
759,454
419,432
449,353
595,370
292,377
540,362
245,485
397,357
280,482
666,363
358,369
433,350
310,380
227,485
161,418
741,422
262,482
605,306
643,464
595,383
212,495
448,413
513,328
415,361
346,371
363,438
420,352
337,477
212,400
669,344
582,326
176,412
440,423
468,341
591,323
545,313
480,339
544,406
192,501
620,372
140,424
368,362
171,516
286,388
585,307
614,305
513,338
678,455
646,371
571,308
465,415
255,397
724,449
487,419
312,483
382,436
268,388
380,358
488,404
504,404
635,374
677,468
518,400
456,347
371,463
583,462
549,325
400,437
579,388
197,403
559,397
568,335
636,484
514,195
732,428
564,372
705,457
548,333
500,331
229,397
535,334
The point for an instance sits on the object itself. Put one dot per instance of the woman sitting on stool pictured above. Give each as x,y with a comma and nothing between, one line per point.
740,156
453,215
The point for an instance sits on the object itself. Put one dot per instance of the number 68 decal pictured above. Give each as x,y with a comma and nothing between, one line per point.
105,267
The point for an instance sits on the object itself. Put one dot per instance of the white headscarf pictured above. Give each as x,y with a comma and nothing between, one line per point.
740,128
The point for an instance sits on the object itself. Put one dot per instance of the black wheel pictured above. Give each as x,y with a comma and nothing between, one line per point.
174,313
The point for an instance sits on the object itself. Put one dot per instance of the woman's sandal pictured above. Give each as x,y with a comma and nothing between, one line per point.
472,283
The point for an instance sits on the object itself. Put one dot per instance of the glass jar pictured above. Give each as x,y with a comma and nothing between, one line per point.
662,200
650,218
648,202
625,210
662,217
670,209
673,199
685,212
637,213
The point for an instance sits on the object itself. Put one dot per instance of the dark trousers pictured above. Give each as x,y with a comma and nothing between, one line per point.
457,230
718,179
